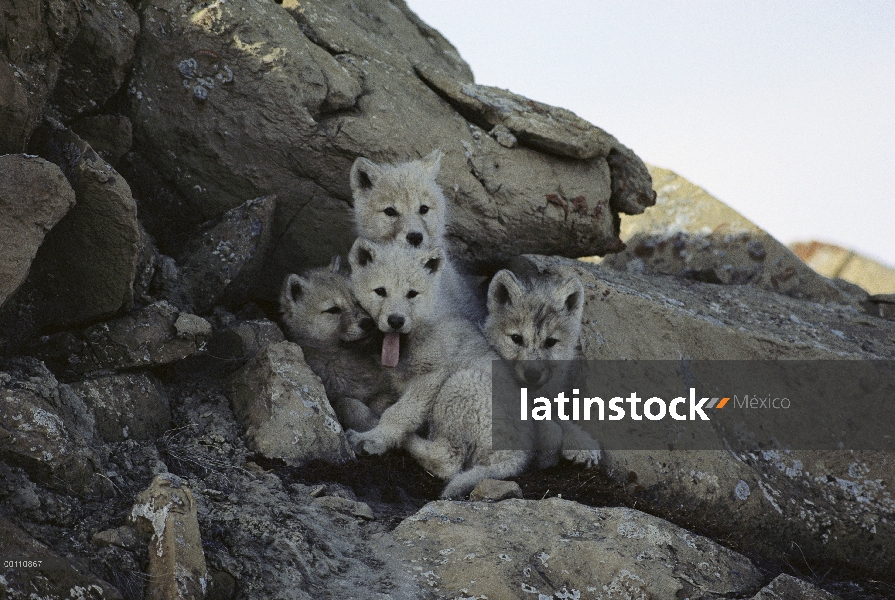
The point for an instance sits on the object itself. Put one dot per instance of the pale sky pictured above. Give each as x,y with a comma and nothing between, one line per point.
783,110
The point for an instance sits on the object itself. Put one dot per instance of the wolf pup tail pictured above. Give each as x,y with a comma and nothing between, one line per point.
511,464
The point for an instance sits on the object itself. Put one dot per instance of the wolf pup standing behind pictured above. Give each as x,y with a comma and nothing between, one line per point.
439,361
320,314
403,204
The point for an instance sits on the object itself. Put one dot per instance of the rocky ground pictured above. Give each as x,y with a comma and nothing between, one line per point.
165,163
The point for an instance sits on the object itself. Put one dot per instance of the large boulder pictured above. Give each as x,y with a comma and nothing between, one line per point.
555,548
246,99
692,234
769,500
34,195
85,269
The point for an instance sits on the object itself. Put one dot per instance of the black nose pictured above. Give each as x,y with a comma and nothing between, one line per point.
532,375
367,324
395,321
415,238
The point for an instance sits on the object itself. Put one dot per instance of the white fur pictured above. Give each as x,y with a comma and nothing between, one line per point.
320,314
403,203
444,370
540,320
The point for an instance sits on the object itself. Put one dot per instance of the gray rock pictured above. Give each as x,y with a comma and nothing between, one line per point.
148,262
147,337
504,136
284,408
221,264
58,577
124,537
632,189
786,587
272,538
34,37
110,135
791,494
395,36
494,490
691,234
883,305
192,328
34,195
86,267
15,114
128,406
512,118
556,547
534,124
96,63
243,340
166,513
344,505
353,66
42,431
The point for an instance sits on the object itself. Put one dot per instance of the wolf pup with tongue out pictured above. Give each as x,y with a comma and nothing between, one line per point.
439,362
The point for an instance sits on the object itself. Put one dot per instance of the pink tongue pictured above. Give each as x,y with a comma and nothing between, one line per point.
391,348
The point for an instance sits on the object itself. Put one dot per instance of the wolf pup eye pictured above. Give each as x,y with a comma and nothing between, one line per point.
517,339
550,342
333,310
380,291
412,294
424,209
391,212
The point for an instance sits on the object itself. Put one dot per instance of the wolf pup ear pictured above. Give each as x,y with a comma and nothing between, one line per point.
570,295
335,265
504,290
432,162
364,175
293,289
433,260
362,253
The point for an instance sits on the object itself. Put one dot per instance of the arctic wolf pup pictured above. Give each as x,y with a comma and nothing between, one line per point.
540,320
404,203
440,362
320,314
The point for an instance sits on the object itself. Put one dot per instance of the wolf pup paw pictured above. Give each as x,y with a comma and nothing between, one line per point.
588,458
367,443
